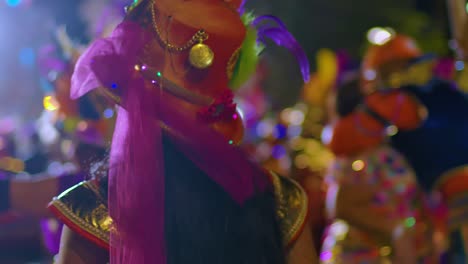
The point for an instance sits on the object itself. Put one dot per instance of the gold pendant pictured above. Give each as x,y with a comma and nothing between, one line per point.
201,56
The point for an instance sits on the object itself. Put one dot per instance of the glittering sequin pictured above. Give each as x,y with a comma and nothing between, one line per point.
388,171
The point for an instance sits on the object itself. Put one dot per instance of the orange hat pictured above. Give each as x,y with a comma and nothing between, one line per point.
398,47
235,4
225,33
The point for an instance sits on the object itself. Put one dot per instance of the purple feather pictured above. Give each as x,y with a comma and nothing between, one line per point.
268,18
242,7
279,34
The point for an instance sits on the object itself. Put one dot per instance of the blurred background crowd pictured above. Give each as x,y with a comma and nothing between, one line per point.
47,140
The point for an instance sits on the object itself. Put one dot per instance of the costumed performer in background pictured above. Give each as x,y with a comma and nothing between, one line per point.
424,119
86,123
81,128
405,232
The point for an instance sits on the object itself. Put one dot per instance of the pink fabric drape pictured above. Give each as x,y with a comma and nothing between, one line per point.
136,177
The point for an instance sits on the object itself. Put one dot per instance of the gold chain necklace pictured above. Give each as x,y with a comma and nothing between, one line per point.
201,56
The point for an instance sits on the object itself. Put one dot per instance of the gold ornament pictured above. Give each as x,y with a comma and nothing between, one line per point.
201,56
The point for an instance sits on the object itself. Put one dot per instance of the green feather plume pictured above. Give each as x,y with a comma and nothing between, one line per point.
248,57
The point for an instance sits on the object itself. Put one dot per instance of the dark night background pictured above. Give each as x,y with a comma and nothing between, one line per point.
335,24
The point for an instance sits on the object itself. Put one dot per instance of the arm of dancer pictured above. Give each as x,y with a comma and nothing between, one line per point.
293,212
303,250
76,249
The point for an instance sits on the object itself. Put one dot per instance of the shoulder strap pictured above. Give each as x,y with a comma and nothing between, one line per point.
292,207
83,208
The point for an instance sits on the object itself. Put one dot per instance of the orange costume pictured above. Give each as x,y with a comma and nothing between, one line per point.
425,119
170,66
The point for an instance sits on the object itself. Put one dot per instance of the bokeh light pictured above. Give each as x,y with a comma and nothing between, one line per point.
11,164
358,165
280,131
265,128
108,113
327,134
82,126
50,103
279,152
13,3
459,65
380,36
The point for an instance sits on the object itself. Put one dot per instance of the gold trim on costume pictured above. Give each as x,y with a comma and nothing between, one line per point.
81,223
292,207
84,205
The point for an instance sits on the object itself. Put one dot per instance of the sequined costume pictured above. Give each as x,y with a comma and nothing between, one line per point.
436,146
398,193
84,209
418,109
176,136
437,149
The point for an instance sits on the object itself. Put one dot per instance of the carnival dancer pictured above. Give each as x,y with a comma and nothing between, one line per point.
180,190
399,199
424,119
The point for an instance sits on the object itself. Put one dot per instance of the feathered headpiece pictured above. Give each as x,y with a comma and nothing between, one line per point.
152,104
